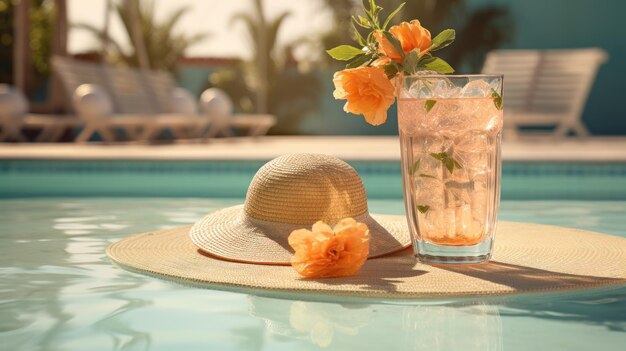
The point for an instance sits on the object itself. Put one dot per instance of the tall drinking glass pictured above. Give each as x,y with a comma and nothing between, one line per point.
450,133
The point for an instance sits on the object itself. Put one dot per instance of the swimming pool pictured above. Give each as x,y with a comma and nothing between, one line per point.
58,290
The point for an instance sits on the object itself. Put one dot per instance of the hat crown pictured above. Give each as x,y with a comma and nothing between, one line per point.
305,188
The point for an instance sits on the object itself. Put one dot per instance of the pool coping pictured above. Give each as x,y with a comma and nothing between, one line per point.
356,148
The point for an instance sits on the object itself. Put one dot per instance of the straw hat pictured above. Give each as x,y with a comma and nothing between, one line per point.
224,249
288,193
528,258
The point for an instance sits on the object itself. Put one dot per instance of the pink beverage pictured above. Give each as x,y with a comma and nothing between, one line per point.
450,133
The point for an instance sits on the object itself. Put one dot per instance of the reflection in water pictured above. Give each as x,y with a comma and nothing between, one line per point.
317,323
452,327
413,327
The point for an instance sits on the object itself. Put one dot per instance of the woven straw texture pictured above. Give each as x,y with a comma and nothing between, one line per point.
231,235
305,188
527,258
288,193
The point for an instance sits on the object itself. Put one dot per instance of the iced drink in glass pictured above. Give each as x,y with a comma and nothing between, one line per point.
450,133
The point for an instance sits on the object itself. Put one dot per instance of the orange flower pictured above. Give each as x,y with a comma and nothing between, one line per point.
410,34
368,92
325,252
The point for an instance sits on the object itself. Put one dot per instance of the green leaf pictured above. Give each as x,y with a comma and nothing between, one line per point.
410,61
449,163
447,160
423,175
443,39
413,169
359,61
395,42
429,104
436,64
423,208
439,156
364,22
497,99
391,70
344,52
359,37
392,15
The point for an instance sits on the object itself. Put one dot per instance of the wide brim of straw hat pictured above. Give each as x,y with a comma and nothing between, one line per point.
528,258
230,234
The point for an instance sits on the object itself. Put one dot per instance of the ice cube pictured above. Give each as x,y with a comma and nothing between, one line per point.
479,204
429,192
443,88
476,89
427,144
466,226
472,150
438,225
408,112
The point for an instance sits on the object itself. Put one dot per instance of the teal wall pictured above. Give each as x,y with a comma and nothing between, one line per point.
553,24
194,78
540,24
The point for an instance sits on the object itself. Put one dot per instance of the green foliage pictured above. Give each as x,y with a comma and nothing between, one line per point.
497,99
443,39
429,104
291,93
436,64
478,31
344,52
411,62
6,41
423,208
447,160
163,46
415,167
42,16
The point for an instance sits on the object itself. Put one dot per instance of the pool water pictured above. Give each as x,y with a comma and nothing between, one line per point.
59,291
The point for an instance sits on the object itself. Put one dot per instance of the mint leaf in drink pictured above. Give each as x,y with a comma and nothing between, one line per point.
447,160
439,156
423,208
449,164
344,52
443,39
414,168
429,104
497,99
423,175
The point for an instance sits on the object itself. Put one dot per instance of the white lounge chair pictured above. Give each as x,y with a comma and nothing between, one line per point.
139,103
14,117
13,106
219,109
545,87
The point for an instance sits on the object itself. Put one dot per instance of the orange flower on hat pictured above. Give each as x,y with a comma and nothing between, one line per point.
367,90
330,252
411,36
